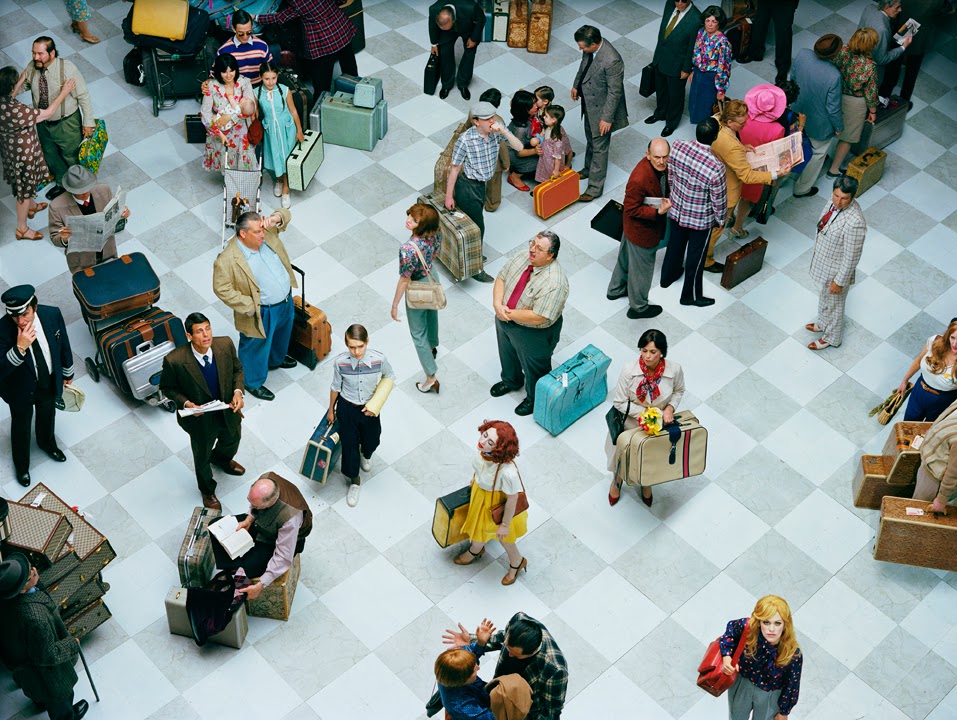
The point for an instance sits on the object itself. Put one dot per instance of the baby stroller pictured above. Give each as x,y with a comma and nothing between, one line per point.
240,194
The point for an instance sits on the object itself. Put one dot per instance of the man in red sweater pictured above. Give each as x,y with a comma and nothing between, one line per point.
644,216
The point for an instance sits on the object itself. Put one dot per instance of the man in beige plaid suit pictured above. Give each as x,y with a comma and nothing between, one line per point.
837,251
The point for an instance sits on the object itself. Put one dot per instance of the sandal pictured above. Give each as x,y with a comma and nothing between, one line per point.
39,208
818,344
740,234
523,187
475,556
91,39
30,234
813,327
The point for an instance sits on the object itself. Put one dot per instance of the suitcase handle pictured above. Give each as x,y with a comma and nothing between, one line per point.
304,314
143,347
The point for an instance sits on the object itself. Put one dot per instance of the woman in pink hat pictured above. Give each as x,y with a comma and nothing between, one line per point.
766,103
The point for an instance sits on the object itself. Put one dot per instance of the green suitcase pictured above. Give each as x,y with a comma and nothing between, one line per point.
345,124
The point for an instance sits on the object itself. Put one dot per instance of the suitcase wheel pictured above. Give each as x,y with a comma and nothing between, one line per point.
169,406
92,369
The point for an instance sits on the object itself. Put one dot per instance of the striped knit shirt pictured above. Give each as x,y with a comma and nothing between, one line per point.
356,380
699,192
249,56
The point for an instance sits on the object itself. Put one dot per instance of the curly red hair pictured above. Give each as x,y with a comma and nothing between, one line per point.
506,449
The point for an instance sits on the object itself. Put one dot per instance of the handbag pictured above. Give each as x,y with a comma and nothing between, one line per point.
646,86
615,419
888,409
71,400
425,294
710,677
90,154
521,505
610,220
255,131
431,80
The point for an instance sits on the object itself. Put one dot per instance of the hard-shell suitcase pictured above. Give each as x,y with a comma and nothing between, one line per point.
275,602
85,620
322,452
315,114
365,91
555,195
648,460
304,161
381,117
38,533
926,540
500,20
233,635
301,97
738,32
120,285
195,130
461,248
196,559
161,18
870,483
539,26
345,124
743,263
867,169
899,449
311,338
172,75
81,597
143,370
118,344
487,30
449,517
886,128
572,389
518,24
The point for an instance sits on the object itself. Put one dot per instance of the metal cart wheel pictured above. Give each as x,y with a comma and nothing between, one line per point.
169,406
92,369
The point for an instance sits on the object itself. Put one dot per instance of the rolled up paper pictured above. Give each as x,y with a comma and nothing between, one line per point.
380,395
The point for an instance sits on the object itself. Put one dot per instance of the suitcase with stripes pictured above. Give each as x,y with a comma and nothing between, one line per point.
196,560
120,343
461,248
648,460
120,285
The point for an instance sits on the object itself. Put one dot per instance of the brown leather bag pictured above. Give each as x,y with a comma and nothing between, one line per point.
521,505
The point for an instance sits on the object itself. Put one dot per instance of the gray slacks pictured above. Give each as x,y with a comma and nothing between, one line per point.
830,314
424,328
596,156
745,698
633,272
810,173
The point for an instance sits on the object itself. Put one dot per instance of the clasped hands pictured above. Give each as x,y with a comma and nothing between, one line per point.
462,638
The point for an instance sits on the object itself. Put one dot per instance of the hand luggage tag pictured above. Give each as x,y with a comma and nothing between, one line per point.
917,442
914,511
38,500
564,379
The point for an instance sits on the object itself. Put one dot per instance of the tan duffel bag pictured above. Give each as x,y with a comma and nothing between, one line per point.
647,460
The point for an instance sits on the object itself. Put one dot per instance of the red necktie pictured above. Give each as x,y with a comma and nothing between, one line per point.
519,288
823,222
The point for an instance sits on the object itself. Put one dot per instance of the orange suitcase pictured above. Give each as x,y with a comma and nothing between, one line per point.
555,195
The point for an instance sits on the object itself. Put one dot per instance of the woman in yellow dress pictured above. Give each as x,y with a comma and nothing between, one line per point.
496,480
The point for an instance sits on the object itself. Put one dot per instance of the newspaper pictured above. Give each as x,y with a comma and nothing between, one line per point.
89,233
653,201
772,156
908,30
211,406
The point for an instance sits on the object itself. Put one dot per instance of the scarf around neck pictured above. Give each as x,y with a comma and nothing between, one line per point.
648,385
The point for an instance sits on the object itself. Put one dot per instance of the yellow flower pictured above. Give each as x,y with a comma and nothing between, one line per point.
651,421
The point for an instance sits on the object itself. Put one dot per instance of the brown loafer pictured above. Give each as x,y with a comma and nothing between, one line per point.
212,502
231,468
585,197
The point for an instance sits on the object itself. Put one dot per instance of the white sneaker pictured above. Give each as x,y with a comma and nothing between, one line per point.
286,202
277,190
364,463
352,497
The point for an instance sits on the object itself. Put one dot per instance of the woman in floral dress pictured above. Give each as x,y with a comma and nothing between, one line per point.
228,107
859,92
712,66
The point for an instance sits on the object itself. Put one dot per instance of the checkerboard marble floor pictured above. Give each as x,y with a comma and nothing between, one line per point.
632,595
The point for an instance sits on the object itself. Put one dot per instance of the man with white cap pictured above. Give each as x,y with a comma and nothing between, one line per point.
83,196
473,163
35,363
35,644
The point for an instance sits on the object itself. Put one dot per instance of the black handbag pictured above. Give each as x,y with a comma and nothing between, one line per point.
615,419
609,220
646,87
431,74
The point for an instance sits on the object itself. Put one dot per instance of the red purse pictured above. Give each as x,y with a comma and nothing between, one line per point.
710,677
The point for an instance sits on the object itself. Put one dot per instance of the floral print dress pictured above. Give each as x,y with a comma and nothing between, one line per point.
234,143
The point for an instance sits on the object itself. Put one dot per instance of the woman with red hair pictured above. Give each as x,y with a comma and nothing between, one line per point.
496,480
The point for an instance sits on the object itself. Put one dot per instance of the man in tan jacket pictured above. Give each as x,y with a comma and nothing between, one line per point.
254,277
937,474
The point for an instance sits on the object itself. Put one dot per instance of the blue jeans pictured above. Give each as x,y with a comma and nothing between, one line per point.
259,354
926,404
424,329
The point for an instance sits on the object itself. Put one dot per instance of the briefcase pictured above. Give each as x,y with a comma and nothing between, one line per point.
195,130
304,161
177,618
322,452
744,262
887,127
449,517
648,460
127,283
84,621
899,450
518,24
161,18
38,533
196,558
120,343
571,390
499,20
461,248
610,221
143,370
870,483
556,194
923,540
539,26
311,338
347,125
430,77
867,169
646,86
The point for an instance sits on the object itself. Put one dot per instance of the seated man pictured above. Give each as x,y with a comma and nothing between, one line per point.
250,51
279,520
83,196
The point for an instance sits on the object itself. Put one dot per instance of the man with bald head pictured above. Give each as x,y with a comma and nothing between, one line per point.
645,217
279,520
450,20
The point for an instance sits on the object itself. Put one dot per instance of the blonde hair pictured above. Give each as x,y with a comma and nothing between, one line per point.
939,348
863,41
454,667
733,110
765,609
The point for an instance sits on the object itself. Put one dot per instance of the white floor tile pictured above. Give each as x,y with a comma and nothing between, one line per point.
707,367
935,244
215,696
414,165
939,608
878,309
348,696
613,695
427,113
782,301
808,445
160,498
325,215
825,531
130,686
161,153
484,596
508,70
796,371
726,443
154,206
285,423
147,573
879,370
706,615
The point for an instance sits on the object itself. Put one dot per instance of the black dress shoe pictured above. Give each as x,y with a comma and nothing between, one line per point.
56,454
810,193
526,407
714,267
483,276
55,192
649,312
500,388
743,59
24,478
444,93
466,95
700,302
262,392
667,131
79,709
289,362
652,119
615,296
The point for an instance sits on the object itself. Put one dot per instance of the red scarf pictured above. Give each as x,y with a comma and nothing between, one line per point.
648,385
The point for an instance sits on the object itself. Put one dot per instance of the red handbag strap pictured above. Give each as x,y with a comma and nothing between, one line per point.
741,642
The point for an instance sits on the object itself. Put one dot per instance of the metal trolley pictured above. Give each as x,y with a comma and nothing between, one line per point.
170,76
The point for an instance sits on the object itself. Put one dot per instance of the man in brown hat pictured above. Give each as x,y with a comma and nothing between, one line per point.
35,643
820,101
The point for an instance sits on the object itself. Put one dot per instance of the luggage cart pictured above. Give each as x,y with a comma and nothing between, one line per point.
240,194
170,76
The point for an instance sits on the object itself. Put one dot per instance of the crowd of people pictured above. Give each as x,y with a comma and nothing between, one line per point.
690,192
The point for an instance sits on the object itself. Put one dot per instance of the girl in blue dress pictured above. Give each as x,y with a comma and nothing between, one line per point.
282,128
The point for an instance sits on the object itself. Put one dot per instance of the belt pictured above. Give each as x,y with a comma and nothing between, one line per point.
932,391
463,176
281,302
52,123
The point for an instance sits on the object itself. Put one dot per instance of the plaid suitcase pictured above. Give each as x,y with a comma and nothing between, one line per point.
450,512
539,26
116,286
648,460
923,540
38,533
904,459
196,560
84,621
555,195
461,248
322,452
120,343
82,596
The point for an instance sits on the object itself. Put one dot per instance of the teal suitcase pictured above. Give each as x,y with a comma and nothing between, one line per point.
381,111
572,390
345,124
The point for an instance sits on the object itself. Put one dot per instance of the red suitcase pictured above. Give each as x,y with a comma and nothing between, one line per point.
555,195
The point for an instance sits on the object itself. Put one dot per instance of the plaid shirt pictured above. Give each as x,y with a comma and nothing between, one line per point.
546,674
479,154
328,29
699,191
546,291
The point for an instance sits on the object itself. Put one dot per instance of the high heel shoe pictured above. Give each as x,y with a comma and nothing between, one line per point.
434,387
647,500
612,500
521,566
475,556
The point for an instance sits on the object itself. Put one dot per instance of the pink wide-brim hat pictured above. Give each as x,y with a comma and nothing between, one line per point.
766,102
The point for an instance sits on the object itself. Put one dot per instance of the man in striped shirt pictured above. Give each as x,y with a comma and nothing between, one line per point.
250,51
699,196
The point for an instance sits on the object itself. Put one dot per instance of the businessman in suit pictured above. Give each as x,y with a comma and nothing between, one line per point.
600,84
35,363
205,370
781,13
680,23
448,21
837,251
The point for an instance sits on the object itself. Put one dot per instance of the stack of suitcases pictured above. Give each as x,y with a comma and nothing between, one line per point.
893,472
67,551
529,24
496,20
356,115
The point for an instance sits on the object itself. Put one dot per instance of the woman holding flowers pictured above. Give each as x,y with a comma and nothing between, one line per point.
648,384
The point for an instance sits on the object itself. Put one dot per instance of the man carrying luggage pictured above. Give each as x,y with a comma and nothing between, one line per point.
205,370
937,472
279,520
448,21
254,277
529,297
35,363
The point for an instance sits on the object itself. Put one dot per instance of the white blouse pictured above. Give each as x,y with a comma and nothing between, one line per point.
942,381
507,482
671,385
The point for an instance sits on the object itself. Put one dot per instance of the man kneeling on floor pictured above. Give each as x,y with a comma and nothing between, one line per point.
279,520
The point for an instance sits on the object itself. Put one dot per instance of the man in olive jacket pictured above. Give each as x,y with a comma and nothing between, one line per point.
680,23
35,643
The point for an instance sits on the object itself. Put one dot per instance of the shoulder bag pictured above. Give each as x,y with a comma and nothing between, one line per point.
255,130
424,294
710,677
521,505
615,419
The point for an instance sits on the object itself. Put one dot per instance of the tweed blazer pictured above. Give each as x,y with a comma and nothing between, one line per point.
673,54
182,381
65,206
234,284
603,87
838,248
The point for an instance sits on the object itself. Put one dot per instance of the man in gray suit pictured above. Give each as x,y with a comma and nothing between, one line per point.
879,16
820,101
600,83
680,23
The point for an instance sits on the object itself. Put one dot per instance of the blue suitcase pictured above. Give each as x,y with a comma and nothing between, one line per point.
322,452
572,389
124,284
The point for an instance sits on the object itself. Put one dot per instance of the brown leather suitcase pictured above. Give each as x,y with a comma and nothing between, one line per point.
87,619
311,338
904,459
867,169
539,26
871,485
743,263
923,540
518,24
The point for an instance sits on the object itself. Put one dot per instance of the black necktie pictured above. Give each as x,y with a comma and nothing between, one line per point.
588,61
40,362
205,360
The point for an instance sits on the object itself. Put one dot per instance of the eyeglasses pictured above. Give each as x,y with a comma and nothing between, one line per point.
532,245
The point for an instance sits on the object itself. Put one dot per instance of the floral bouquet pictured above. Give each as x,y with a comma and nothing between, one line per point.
651,421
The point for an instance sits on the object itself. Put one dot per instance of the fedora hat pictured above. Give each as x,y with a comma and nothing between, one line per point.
828,46
766,102
14,573
78,180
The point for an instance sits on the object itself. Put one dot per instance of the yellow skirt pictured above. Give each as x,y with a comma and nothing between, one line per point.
479,525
